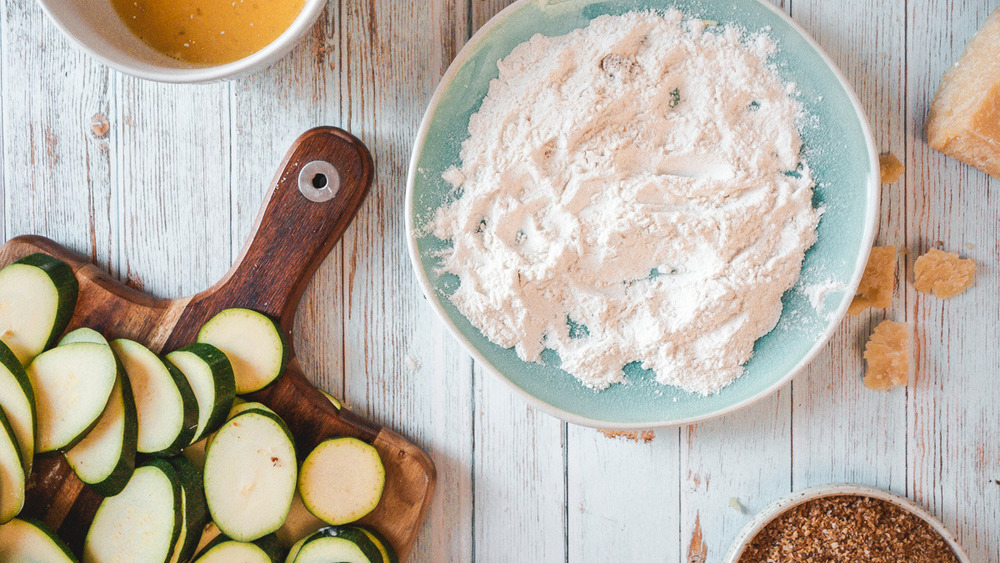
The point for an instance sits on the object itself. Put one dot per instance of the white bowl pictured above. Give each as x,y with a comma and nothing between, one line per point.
95,27
784,504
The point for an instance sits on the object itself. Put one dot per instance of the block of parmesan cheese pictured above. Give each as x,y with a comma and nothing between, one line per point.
965,117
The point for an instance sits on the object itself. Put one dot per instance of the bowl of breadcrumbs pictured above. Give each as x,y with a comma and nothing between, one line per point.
845,523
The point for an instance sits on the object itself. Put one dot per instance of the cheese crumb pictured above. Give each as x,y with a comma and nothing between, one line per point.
878,282
890,167
888,356
965,117
943,273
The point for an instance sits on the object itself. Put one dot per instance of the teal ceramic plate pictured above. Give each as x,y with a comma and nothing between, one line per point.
839,148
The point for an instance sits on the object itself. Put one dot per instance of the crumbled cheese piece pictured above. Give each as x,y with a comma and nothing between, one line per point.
943,273
965,117
888,356
878,282
890,167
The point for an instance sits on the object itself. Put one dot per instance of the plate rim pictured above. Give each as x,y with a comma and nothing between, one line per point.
868,238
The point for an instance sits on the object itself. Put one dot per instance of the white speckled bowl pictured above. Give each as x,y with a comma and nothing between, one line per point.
784,504
94,26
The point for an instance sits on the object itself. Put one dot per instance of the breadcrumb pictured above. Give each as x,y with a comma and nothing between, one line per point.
943,273
890,167
878,282
888,356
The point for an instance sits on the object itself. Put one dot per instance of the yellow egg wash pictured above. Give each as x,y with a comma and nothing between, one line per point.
208,32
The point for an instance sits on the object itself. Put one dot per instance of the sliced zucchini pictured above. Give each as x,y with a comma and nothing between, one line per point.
383,545
299,523
250,475
346,545
72,385
17,400
210,376
37,297
195,453
105,458
12,476
28,541
208,535
333,400
195,510
164,401
141,524
254,343
225,550
83,335
342,480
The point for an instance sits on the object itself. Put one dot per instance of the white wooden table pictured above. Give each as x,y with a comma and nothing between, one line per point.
161,185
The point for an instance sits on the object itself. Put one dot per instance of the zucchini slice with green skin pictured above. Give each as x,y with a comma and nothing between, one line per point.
72,385
141,524
29,541
195,453
12,476
105,458
166,405
195,510
83,335
37,297
254,343
342,480
210,376
250,475
347,545
383,545
17,400
226,550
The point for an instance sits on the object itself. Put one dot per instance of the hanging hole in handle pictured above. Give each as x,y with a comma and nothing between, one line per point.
319,181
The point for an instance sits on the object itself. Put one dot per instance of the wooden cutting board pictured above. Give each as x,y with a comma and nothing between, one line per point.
315,195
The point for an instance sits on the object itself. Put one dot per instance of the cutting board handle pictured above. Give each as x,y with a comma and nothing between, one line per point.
314,196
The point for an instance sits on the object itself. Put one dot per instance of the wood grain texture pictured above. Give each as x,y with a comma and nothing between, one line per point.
842,431
292,236
182,164
953,451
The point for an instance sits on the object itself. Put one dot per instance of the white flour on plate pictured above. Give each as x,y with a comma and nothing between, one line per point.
632,192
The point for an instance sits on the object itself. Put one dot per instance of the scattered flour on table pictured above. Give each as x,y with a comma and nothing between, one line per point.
632,191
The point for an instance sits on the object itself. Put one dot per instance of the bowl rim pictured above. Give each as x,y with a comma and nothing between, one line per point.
871,225
789,501
202,74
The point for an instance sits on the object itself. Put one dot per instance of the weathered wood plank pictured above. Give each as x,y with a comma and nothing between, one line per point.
519,467
623,501
520,453
173,174
842,431
270,108
57,167
402,369
953,454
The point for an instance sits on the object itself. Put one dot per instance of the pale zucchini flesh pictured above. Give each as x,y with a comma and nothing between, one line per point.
250,475
12,476
83,335
166,407
72,385
27,541
141,524
105,458
232,551
211,378
18,402
342,480
254,344
342,544
37,297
